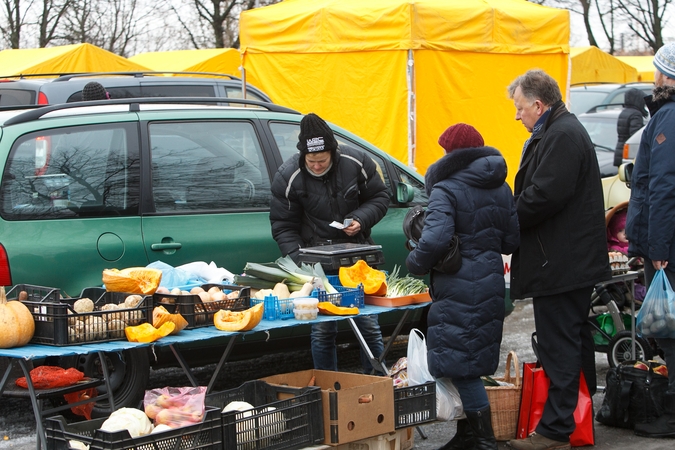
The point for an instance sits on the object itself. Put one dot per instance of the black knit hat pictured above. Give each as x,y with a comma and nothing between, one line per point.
315,136
94,91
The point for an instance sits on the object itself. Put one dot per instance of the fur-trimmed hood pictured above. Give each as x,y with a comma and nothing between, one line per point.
492,173
660,96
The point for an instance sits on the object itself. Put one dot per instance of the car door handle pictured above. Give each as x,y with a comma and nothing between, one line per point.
166,246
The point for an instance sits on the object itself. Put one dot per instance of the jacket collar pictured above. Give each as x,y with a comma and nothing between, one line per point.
660,96
557,110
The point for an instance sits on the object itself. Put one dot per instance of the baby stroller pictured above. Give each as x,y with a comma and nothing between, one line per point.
611,317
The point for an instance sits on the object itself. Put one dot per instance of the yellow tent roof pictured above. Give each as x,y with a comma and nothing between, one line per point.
64,59
399,72
643,64
315,26
590,64
215,60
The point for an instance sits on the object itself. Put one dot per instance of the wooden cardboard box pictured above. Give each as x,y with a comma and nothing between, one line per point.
355,407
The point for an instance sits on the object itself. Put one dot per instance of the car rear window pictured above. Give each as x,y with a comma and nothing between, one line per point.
582,101
88,171
11,97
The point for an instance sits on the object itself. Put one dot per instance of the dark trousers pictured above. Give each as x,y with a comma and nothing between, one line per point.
565,346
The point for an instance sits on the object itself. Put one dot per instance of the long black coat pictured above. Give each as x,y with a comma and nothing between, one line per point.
467,196
303,206
563,240
630,120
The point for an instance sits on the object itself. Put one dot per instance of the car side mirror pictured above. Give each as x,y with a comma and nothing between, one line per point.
404,193
625,173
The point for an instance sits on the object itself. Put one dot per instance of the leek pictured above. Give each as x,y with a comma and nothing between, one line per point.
295,274
259,283
402,286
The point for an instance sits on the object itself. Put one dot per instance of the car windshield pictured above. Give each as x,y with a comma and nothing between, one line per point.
582,100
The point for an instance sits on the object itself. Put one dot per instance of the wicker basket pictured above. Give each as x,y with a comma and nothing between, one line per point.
505,401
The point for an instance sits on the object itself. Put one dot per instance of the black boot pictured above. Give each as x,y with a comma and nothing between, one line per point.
463,438
481,425
664,425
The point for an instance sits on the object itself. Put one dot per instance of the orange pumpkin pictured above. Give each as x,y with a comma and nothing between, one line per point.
160,316
374,281
145,332
133,280
226,320
17,322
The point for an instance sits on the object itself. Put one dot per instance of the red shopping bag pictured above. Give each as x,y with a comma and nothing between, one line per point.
533,398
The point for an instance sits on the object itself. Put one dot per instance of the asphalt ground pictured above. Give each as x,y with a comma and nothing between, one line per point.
18,426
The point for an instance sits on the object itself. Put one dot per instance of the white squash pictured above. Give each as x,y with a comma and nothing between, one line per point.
131,419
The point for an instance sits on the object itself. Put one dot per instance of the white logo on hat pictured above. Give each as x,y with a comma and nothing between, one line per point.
315,144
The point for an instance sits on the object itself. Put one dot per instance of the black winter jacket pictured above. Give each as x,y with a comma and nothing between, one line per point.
630,120
303,206
467,196
563,240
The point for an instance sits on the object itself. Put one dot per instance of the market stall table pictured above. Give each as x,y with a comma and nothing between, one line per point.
31,352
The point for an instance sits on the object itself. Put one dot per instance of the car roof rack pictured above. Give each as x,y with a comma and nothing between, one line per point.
137,74
134,103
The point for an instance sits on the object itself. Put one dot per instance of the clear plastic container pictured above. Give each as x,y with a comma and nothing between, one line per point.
306,314
305,303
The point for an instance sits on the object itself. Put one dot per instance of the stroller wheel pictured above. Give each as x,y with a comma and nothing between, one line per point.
619,348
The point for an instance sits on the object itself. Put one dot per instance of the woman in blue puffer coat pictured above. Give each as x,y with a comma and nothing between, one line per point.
468,196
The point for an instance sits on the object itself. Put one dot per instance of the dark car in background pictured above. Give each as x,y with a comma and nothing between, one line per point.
584,97
37,89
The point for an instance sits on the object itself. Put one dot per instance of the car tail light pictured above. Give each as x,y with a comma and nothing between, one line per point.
5,274
626,151
42,99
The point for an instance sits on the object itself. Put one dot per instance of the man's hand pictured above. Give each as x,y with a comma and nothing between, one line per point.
659,264
353,228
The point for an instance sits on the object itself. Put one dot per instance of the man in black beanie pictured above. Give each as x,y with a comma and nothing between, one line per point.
323,183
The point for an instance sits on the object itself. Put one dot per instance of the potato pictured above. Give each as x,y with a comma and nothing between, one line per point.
83,305
132,301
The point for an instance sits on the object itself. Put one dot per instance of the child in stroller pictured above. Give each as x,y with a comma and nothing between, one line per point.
611,316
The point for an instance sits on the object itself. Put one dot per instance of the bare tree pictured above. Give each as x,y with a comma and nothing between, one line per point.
109,24
49,19
646,19
15,20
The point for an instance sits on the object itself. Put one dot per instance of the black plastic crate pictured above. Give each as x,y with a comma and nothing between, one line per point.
414,405
282,418
198,313
206,435
57,323
34,293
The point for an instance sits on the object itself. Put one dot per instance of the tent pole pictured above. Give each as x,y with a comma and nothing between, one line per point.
412,109
243,81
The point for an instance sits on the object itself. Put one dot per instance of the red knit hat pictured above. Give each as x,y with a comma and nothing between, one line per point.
460,135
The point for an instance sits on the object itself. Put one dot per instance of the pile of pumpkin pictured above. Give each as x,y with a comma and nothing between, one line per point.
147,280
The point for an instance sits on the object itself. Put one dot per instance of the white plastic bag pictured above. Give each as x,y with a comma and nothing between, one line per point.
448,402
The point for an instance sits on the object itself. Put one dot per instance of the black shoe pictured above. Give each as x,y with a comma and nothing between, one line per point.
481,426
463,438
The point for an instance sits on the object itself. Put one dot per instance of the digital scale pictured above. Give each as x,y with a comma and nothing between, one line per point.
333,256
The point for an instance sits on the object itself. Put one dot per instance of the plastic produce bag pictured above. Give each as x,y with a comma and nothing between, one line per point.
175,406
448,402
173,276
656,318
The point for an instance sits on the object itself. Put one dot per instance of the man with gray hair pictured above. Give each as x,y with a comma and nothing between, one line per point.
563,250
650,223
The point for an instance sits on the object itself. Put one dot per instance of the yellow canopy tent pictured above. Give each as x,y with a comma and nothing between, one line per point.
74,58
214,60
643,64
399,72
590,65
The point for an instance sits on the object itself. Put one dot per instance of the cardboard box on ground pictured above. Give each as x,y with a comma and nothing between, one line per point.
355,407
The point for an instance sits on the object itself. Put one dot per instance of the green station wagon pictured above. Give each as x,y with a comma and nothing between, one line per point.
123,183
